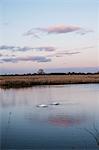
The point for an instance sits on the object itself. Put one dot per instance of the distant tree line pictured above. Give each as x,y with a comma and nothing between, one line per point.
42,72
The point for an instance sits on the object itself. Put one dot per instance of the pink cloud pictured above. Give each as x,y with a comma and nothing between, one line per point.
56,29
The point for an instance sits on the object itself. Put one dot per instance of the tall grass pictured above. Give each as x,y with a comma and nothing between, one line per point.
28,81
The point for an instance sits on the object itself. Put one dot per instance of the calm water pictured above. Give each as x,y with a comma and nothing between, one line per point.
74,124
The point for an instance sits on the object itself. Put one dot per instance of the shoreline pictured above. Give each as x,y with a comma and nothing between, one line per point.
36,80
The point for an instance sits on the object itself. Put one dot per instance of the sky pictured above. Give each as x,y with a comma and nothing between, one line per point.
56,35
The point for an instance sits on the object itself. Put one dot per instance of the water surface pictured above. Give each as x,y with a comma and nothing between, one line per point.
74,124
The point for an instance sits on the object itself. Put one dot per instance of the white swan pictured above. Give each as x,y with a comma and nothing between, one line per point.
42,105
55,103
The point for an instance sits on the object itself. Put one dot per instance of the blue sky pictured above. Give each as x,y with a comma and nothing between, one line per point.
49,34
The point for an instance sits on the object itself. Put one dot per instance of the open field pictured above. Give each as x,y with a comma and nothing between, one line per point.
28,81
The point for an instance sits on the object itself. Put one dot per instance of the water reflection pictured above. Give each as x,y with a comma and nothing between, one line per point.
7,129
66,121
54,117
59,119
12,98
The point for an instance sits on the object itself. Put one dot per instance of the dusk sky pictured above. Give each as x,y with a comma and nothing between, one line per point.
56,35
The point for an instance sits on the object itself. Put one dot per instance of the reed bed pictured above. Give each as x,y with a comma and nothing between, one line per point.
28,81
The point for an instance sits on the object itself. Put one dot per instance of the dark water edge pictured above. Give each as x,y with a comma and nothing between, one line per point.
21,86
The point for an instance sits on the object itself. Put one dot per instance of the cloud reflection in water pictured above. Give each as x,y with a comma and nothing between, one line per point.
66,121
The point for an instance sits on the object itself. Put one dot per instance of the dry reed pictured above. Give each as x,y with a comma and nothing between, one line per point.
28,81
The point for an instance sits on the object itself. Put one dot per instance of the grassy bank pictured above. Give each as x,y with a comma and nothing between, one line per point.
28,81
